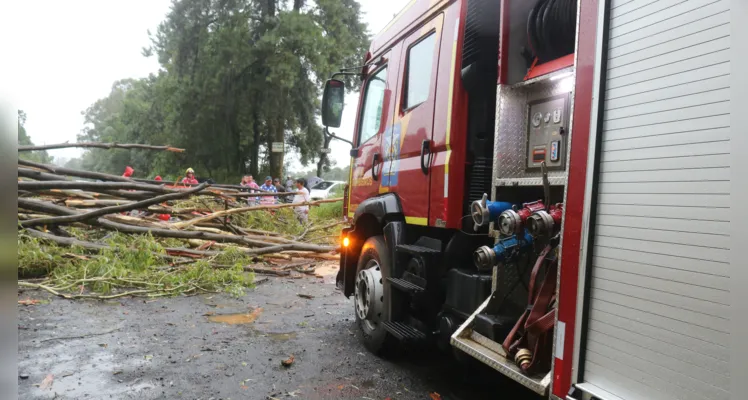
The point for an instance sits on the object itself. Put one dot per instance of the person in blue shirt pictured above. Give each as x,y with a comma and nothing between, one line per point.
268,187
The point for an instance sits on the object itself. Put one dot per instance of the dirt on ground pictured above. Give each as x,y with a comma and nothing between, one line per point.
214,346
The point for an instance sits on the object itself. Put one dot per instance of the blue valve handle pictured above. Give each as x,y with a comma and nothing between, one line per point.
495,208
508,247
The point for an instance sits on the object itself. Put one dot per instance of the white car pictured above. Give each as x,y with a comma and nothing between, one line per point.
323,189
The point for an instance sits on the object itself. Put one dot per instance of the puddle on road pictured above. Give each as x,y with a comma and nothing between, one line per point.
238,318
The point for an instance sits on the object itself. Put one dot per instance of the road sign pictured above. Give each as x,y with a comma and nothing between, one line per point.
325,150
277,147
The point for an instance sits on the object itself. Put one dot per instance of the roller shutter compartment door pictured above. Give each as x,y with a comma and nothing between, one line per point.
657,326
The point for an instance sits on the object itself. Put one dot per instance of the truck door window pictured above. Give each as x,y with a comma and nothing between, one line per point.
420,63
371,115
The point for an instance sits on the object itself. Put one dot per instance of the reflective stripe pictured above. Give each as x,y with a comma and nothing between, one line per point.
417,220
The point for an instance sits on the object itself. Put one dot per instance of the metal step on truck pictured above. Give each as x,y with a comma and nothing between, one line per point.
551,187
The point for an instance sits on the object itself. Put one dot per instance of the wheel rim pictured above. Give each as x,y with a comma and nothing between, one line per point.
368,295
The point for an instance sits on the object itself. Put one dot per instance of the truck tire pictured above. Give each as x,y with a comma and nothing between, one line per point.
371,299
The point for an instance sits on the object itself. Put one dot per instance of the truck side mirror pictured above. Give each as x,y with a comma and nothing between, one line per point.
354,152
333,100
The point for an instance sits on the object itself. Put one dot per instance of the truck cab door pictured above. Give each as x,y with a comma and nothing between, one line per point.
409,146
368,156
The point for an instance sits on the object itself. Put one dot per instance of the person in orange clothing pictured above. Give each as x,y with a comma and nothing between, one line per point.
190,178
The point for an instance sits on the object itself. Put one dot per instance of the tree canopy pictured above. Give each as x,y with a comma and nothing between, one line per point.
236,76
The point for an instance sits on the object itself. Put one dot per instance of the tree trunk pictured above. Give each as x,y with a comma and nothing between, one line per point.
276,158
255,146
297,4
268,9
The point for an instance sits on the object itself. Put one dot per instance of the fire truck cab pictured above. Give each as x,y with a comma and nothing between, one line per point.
547,186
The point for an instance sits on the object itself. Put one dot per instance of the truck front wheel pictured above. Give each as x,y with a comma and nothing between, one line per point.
371,299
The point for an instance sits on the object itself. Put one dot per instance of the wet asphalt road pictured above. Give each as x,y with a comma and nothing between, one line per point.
220,347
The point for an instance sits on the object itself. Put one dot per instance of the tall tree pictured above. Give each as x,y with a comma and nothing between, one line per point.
237,76
251,71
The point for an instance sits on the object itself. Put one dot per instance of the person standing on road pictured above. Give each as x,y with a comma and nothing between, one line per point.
268,187
302,196
290,183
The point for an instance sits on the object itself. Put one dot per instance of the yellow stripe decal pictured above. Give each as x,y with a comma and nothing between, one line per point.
417,220
449,107
350,181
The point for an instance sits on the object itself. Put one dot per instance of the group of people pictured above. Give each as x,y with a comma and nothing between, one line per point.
295,190
270,185
189,175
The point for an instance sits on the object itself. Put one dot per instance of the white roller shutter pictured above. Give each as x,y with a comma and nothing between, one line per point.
658,319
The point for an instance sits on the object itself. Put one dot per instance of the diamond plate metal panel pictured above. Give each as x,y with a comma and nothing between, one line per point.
511,130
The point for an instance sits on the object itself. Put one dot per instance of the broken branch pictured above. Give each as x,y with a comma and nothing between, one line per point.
252,208
99,146
94,186
112,209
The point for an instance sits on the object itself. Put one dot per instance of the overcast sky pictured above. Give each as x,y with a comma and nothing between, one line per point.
67,54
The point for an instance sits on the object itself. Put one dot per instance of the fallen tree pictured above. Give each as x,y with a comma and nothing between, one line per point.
117,236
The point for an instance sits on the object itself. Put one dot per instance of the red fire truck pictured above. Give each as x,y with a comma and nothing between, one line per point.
545,186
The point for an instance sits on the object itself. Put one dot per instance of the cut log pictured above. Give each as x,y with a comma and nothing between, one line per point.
74,172
95,203
39,176
99,146
94,186
45,207
64,194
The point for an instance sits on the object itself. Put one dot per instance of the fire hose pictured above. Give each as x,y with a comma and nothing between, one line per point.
531,340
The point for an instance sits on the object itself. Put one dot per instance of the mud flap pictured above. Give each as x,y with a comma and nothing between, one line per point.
346,276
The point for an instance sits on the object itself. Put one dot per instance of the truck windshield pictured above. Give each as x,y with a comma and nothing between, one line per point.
373,104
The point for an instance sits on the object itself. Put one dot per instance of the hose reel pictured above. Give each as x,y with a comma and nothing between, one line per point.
551,29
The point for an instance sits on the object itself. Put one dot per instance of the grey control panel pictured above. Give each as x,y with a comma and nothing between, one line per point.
547,129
